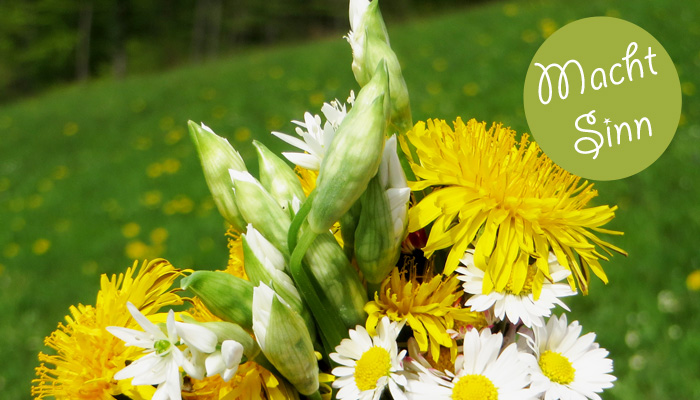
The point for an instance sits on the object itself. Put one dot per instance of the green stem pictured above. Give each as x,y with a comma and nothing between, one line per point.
328,319
372,288
315,396
331,325
295,227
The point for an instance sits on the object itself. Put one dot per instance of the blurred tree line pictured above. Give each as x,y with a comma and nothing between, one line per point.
44,42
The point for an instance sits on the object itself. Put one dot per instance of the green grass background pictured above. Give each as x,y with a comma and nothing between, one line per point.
93,174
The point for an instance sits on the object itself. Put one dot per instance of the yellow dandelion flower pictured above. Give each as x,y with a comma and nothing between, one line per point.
251,382
511,198
235,265
87,356
430,305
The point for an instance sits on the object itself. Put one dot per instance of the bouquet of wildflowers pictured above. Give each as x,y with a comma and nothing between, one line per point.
396,260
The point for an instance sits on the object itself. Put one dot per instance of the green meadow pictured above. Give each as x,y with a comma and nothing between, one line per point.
94,176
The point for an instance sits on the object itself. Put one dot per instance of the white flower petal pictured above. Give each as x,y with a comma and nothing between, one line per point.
307,161
232,352
197,336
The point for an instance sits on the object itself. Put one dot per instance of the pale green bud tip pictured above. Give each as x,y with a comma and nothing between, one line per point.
226,296
263,250
217,157
260,209
393,180
277,177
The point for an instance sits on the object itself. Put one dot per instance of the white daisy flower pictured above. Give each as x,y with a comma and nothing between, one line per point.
370,363
568,367
317,136
481,373
516,306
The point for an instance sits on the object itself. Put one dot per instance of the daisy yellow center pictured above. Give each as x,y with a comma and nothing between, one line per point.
557,367
527,286
374,364
474,387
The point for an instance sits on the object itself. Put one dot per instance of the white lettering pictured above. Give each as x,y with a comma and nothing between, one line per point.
590,119
630,65
602,73
562,79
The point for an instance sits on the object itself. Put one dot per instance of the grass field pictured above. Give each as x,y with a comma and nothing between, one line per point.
94,176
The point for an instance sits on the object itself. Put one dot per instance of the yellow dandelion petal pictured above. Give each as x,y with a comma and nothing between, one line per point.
430,305
506,199
87,356
235,265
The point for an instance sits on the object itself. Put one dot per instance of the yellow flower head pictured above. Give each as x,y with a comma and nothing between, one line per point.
235,265
509,200
87,356
251,382
430,305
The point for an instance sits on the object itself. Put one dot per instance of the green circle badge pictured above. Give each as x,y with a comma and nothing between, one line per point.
602,98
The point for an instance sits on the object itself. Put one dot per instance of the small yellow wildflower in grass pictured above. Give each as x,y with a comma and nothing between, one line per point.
509,200
41,246
431,306
693,280
131,230
87,356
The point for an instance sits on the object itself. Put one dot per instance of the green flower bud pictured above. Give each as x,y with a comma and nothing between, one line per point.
354,155
226,296
373,237
370,44
338,279
265,264
260,209
383,218
326,259
277,177
217,157
284,340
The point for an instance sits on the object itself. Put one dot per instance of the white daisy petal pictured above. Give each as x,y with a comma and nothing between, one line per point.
515,307
504,373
